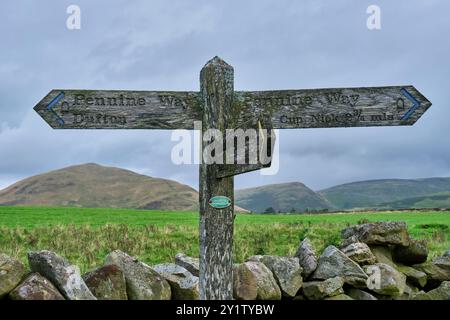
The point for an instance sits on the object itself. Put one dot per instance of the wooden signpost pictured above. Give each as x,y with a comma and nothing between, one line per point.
218,106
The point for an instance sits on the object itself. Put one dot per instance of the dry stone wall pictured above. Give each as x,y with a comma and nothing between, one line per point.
376,261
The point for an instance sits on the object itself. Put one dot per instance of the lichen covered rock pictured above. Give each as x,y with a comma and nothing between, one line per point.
307,257
416,277
143,283
267,287
383,255
184,284
107,283
339,297
61,273
334,263
385,280
36,287
415,252
190,264
441,293
11,273
358,294
317,290
437,270
245,285
379,233
286,270
360,253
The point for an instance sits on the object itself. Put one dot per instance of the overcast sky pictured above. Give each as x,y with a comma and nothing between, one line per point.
162,45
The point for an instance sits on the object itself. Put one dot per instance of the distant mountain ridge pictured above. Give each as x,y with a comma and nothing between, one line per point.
93,185
283,197
431,201
372,194
376,193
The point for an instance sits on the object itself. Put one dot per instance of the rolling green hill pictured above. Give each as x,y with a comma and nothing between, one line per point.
373,193
91,185
94,186
281,197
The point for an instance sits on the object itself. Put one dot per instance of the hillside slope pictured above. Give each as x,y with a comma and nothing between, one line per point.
431,201
92,185
281,197
373,193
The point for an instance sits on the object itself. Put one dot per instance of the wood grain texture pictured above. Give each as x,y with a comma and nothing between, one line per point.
216,225
327,108
103,109
256,155
287,109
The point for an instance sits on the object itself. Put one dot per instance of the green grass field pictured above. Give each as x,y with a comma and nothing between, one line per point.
85,236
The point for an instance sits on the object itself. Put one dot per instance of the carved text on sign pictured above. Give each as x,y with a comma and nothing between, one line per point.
97,118
120,100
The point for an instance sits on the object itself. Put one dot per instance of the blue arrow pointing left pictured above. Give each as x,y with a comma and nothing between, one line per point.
52,104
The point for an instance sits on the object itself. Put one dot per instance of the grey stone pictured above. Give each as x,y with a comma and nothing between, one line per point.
36,287
339,297
143,283
379,233
189,263
385,280
446,254
317,290
421,295
441,293
416,277
408,292
383,297
107,283
443,263
438,269
416,252
358,294
61,273
11,273
349,240
334,263
383,255
287,272
245,285
307,257
184,284
267,287
360,253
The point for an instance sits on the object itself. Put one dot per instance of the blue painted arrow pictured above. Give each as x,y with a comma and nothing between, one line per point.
416,104
52,104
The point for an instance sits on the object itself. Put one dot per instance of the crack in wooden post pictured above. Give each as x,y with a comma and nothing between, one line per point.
216,225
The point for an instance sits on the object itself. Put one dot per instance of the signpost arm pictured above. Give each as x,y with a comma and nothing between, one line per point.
216,225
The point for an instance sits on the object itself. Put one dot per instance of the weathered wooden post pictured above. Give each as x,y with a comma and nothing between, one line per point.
216,225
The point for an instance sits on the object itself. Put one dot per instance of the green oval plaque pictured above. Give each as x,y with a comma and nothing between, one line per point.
220,202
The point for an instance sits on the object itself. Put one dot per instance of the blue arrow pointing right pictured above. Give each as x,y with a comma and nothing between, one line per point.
416,104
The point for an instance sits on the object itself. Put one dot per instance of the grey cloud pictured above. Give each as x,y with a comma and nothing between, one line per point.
271,44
